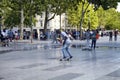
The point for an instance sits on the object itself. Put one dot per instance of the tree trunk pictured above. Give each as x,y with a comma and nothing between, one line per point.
21,25
31,34
60,22
46,20
31,25
82,16
81,20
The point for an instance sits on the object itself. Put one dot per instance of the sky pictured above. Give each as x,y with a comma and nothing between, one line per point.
118,7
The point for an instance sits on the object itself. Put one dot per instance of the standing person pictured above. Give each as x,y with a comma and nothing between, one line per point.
24,34
93,37
65,48
110,35
87,35
10,35
5,38
36,35
16,35
115,35
54,37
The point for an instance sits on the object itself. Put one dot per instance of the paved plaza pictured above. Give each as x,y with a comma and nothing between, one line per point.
40,61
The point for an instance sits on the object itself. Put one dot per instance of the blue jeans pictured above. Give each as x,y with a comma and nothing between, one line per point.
65,50
93,44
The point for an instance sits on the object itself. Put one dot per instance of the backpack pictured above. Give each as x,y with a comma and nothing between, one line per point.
97,36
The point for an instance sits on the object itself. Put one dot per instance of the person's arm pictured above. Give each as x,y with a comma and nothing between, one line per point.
71,38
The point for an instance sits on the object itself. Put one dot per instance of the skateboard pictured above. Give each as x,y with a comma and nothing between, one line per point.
86,49
65,59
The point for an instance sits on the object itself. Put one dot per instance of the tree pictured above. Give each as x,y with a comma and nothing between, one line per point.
90,17
25,11
12,20
106,4
101,17
112,21
108,19
73,17
18,6
56,7
4,11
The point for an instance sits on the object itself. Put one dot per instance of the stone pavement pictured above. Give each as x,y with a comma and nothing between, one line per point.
43,63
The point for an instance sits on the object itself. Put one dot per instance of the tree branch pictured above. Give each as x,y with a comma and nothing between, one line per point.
86,7
52,17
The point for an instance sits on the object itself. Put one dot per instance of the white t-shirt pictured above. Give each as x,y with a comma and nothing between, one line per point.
68,41
4,34
64,34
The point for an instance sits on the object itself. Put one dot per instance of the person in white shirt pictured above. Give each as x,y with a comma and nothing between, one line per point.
87,35
5,38
66,44
16,35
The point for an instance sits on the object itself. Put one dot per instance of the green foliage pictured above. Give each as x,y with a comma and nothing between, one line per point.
30,8
4,11
113,18
106,4
109,18
10,11
12,20
90,17
73,18
101,17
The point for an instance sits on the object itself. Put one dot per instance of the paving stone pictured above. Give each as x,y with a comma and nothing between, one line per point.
115,73
31,66
1,78
5,51
57,68
91,65
68,76
108,78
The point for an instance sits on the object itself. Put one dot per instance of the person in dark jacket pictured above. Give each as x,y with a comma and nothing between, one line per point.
110,35
93,37
115,35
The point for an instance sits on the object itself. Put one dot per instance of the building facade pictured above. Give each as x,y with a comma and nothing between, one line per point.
56,23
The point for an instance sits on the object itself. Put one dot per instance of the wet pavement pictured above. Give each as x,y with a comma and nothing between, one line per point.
42,63
27,45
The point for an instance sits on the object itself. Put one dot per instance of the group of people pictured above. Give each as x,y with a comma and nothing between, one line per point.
111,33
66,39
93,35
7,35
